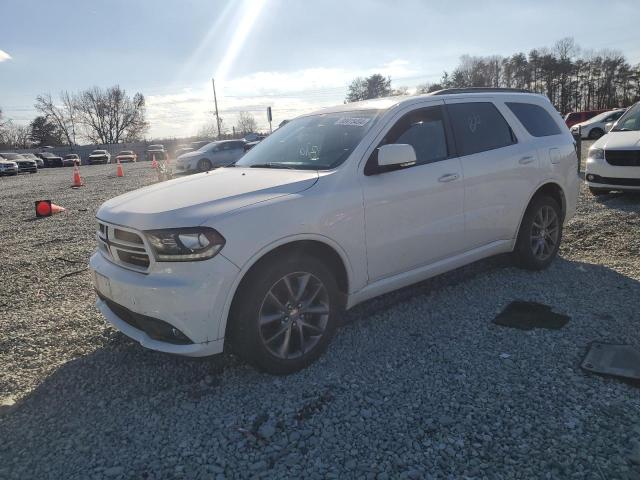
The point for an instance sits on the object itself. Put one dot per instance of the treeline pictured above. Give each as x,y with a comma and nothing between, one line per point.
100,116
573,79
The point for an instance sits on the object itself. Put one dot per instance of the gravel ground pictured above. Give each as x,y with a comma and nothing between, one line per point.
417,384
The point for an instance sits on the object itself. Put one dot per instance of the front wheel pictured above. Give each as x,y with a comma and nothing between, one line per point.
204,165
596,133
540,234
286,314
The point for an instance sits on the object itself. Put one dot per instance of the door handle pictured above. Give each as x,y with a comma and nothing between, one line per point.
449,177
525,160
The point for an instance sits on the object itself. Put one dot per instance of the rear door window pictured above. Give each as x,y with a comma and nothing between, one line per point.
478,127
535,119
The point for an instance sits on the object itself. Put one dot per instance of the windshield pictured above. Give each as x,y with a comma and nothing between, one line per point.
630,120
71,155
126,152
317,142
97,152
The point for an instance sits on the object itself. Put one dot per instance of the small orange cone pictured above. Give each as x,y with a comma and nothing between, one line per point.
44,208
120,171
77,179
154,164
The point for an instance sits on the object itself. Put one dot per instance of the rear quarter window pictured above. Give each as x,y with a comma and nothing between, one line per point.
535,119
479,127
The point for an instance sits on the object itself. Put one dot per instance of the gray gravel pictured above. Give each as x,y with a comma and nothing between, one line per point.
417,384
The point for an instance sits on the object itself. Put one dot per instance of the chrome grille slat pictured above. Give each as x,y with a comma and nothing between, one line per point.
123,246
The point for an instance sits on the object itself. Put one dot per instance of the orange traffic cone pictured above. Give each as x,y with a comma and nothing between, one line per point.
44,208
77,179
154,164
119,171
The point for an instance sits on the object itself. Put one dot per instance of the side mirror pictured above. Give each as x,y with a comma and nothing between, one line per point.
608,126
398,154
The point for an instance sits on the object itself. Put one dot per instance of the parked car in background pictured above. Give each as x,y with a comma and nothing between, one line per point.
7,167
199,144
50,160
212,155
182,149
578,117
335,208
594,128
613,162
249,145
99,156
71,160
126,156
25,165
156,151
38,160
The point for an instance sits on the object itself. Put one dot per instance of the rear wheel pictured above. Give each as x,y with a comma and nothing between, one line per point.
286,314
204,165
540,234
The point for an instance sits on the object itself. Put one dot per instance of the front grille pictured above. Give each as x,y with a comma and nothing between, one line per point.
623,158
122,246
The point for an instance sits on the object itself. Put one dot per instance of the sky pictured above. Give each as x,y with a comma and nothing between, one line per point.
293,55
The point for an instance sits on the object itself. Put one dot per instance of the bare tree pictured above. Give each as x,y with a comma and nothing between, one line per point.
63,116
246,123
110,116
210,129
13,135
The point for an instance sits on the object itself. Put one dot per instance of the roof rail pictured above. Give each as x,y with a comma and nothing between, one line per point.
448,91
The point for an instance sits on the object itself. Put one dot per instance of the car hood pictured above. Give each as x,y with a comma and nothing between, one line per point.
191,201
98,155
619,141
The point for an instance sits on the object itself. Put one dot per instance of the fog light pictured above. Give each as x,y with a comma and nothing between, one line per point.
590,177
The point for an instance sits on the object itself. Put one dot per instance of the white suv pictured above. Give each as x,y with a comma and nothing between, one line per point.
614,160
330,210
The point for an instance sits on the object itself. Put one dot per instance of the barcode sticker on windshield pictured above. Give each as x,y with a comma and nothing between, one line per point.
353,121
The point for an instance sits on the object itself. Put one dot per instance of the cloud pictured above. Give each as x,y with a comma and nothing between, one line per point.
183,112
4,56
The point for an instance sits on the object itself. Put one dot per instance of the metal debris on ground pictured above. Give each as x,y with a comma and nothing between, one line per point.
610,359
530,315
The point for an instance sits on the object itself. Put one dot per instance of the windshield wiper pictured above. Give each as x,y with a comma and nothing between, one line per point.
272,165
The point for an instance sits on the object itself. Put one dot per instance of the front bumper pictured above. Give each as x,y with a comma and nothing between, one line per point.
600,174
189,296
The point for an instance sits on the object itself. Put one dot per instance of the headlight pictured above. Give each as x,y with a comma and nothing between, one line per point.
185,244
596,153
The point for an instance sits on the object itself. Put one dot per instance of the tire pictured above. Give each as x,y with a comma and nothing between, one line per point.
261,323
596,133
204,165
531,252
597,191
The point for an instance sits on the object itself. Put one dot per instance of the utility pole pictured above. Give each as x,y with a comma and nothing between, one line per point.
215,101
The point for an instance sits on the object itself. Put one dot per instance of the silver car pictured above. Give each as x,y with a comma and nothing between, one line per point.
212,155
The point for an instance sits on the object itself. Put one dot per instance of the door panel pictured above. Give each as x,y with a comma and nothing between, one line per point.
498,179
412,218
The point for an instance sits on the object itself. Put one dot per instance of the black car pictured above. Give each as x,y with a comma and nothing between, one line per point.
24,164
31,156
50,160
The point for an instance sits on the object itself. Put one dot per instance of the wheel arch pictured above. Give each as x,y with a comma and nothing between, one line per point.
317,245
550,188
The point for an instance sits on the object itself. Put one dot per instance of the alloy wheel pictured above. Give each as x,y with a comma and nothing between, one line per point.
544,232
294,315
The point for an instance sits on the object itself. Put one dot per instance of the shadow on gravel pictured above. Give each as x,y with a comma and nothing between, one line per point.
623,201
123,401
